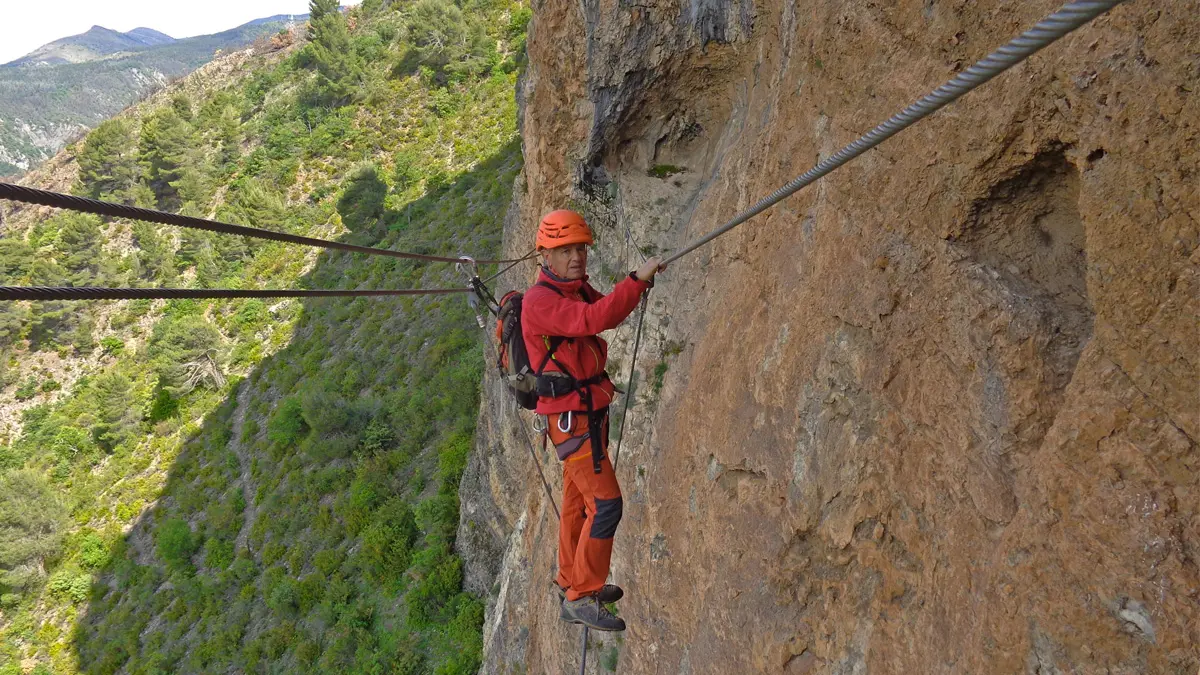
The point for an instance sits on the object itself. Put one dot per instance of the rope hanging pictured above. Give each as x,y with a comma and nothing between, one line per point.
637,342
21,193
1045,32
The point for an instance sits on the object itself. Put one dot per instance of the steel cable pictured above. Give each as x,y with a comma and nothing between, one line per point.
21,193
1045,32
97,293
492,352
637,342
516,262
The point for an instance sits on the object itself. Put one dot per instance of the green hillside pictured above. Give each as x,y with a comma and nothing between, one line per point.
253,486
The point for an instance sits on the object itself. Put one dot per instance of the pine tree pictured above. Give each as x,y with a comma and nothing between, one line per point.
163,151
114,410
186,354
453,44
330,51
79,248
108,166
49,319
154,256
32,522
16,259
229,135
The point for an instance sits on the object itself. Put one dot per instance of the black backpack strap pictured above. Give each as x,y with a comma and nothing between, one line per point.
555,342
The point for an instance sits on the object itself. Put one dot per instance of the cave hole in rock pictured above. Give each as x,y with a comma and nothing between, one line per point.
1029,231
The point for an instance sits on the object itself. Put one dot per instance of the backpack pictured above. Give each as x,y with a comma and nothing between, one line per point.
513,359
524,381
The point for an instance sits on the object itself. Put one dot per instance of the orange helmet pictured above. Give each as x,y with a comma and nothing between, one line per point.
562,228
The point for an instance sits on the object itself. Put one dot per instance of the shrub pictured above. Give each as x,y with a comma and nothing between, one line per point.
283,599
93,552
28,390
111,345
176,542
434,589
70,585
328,561
286,425
387,541
358,505
664,171
452,460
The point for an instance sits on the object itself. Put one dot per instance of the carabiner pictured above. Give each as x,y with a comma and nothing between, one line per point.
570,417
467,266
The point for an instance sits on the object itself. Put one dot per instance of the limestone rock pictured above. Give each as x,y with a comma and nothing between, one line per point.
937,413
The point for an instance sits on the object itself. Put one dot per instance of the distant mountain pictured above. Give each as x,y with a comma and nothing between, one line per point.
97,43
63,88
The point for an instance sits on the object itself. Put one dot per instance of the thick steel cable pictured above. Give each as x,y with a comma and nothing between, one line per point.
637,342
97,293
21,193
1046,31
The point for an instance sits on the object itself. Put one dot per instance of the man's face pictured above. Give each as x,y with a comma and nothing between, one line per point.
568,262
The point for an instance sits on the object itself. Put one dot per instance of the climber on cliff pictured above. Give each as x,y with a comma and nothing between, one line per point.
561,317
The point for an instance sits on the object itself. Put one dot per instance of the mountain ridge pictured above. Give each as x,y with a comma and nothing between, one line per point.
43,107
95,43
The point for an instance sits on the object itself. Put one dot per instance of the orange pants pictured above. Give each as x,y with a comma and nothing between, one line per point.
591,510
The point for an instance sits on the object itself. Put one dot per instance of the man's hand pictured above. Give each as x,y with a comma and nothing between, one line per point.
649,268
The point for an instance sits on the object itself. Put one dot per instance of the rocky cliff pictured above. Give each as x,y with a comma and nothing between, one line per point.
937,413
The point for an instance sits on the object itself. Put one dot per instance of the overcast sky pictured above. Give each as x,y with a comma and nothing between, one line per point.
29,24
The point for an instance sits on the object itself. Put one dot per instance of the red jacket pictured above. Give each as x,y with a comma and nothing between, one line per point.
545,313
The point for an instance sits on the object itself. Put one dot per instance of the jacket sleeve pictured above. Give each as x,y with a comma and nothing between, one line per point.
547,313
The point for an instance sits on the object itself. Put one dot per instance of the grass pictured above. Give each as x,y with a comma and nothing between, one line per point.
664,171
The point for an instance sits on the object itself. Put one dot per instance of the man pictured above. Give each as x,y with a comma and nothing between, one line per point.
561,317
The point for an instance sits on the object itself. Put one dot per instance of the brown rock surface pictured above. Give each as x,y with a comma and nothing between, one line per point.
937,413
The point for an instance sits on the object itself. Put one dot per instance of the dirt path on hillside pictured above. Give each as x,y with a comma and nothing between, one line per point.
250,513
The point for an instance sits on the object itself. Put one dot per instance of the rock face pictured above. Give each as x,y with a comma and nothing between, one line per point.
937,413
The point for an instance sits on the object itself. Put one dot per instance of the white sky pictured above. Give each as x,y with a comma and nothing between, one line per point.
26,25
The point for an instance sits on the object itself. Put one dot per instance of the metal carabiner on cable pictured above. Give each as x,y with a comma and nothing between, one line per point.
467,265
540,424
470,269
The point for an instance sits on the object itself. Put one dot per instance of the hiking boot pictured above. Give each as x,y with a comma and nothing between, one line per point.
610,593
589,612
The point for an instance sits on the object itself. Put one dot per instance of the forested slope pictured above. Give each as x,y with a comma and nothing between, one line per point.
212,486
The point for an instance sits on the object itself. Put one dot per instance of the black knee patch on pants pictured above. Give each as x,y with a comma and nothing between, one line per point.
608,514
